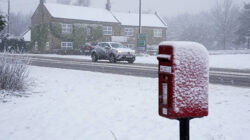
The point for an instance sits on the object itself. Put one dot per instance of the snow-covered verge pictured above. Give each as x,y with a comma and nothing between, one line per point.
219,52
230,61
85,57
69,104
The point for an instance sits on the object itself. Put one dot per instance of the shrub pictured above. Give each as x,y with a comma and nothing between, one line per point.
13,72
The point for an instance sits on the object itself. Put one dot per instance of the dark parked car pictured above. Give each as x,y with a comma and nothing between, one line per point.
87,48
112,51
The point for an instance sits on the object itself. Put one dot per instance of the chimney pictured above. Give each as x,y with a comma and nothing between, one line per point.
42,1
108,5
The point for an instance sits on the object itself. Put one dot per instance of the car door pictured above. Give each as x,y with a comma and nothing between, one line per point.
107,49
102,51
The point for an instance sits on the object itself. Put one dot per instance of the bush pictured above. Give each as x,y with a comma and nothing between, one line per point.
13,72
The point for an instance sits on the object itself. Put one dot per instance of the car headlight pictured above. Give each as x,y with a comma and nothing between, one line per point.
119,52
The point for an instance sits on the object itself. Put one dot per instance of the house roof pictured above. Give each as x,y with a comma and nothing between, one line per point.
132,19
103,15
27,35
79,13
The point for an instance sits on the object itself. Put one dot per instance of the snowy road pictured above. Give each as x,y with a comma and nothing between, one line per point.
217,75
78,105
220,75
226,61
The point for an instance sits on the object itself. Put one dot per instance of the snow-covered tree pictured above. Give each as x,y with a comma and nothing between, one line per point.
2,22
19,23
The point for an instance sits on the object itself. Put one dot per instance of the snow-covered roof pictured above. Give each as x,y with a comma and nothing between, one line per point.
79,13
132,19
27,35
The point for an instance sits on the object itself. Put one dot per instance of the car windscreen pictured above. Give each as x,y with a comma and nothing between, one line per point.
117,45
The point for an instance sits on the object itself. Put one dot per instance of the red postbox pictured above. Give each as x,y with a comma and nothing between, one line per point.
183,80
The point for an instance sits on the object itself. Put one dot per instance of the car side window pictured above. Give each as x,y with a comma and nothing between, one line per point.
106,45
101,45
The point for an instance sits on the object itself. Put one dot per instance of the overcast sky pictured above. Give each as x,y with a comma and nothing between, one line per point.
164,7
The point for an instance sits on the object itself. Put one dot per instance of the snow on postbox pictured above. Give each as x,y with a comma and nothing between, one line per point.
183,80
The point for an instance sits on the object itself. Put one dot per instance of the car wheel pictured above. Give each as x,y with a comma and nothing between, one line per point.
131,61
112,59
94,57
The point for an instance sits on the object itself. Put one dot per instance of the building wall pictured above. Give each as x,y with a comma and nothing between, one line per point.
151,40
149,31
115,29
41,15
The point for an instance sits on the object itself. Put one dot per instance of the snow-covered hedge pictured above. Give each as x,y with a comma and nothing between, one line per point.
13,72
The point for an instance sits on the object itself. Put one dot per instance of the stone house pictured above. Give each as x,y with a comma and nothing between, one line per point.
54,26
152,25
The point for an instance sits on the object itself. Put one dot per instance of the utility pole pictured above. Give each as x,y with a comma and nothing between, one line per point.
8,17
248,38
139,16
8,29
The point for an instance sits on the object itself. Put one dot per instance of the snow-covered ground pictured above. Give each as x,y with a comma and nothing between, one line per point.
77,105
231,61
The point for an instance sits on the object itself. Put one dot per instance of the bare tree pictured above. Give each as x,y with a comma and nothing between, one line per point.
63,1
243,31
19,23
85,3
190,27
224,17
215,28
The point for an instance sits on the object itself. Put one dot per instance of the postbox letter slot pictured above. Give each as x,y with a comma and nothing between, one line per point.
164,56
165,93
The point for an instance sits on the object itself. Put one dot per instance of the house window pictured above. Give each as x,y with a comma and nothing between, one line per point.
129,31
36,45
157,33
88,30
107,30
66,45
66,28
47,45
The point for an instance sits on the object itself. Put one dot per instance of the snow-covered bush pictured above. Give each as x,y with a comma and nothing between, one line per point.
13,72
